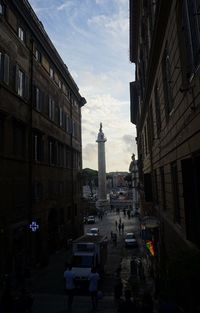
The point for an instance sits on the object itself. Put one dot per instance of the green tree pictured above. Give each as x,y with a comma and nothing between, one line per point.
90,178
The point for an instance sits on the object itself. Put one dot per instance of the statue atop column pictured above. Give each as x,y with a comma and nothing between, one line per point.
102,202
100,129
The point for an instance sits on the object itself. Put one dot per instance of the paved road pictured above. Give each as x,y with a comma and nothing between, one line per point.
48,283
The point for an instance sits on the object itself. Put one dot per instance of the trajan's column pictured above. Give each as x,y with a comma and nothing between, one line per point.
102,202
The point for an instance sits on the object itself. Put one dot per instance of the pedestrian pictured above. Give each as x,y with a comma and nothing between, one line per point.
69,277
127,305
120,220
122,227
116,224
93,278
119,227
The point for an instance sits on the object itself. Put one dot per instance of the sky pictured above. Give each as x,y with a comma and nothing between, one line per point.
92,37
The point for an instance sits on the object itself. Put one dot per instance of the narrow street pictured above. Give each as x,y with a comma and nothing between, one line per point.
48,284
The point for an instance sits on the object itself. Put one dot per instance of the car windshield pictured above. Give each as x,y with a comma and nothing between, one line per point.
94,231
130,236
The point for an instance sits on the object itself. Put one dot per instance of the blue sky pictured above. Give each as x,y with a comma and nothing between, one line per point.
92,36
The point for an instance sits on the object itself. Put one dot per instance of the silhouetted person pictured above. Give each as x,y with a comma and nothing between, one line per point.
122,227
69,277
93,278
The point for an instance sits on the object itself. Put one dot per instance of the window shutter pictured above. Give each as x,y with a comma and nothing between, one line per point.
191,36
42,99
6,69
26,86
1,65
16,78
195,36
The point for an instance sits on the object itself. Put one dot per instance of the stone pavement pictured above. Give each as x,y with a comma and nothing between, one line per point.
46,303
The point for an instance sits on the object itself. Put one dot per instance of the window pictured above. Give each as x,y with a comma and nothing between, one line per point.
53,153
38,55
39,99
51,72
73,129
68,158
191,36
162,181
22,83
155,186
37,191
175,191
148,187
1,9
38,147
19,139
146,141
4,68
59,84
150,126
51,109
21,33
67,123
60,154
1,133
157,109
167,83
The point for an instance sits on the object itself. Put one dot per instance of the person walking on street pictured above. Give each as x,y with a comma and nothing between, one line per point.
122,228
93,278
119,227
69,277
116,224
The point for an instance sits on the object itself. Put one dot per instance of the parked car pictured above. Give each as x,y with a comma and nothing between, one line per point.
93,232
91,219
130,240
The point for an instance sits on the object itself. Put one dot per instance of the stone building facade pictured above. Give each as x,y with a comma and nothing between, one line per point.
165,107
40,142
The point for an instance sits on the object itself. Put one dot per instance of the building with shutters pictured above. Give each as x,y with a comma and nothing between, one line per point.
165,107
40,143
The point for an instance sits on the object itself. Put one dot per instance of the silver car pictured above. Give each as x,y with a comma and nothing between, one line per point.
130,240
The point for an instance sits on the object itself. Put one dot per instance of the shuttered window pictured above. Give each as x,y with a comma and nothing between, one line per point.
38,147
191,35
4,68
167,82
21,34
157,109
21,83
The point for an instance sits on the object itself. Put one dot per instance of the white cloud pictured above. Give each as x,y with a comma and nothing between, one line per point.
65,5
92,38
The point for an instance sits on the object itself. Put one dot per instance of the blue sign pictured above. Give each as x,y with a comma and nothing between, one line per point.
34,226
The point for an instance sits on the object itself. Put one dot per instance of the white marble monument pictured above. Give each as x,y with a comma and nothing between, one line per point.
102,202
